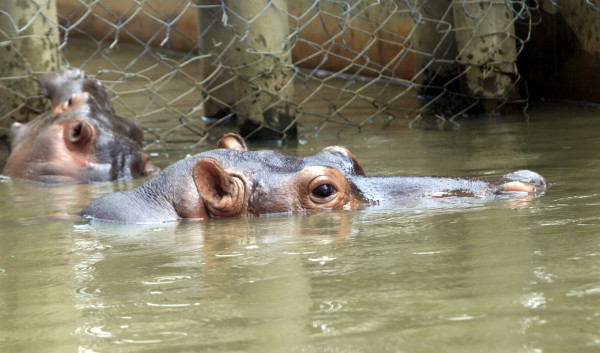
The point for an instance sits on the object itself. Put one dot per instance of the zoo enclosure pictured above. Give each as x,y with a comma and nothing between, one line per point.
186,69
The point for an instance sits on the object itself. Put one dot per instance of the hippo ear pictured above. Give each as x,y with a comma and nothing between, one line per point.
79,134
224,193
14,128
147,167
52,82
233,142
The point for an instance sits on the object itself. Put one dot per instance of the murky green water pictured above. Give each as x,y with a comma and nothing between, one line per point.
499,276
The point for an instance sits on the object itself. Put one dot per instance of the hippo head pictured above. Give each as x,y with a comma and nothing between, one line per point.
80,140
233,192
229,184
229,193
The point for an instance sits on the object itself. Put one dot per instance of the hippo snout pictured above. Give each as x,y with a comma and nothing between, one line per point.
523,181
527,176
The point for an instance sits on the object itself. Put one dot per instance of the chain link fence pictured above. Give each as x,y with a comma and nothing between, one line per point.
190,69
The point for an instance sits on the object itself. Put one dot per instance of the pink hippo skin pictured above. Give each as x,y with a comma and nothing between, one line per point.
81,140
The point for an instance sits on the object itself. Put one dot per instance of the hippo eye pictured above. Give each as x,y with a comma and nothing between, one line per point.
70,102
323,191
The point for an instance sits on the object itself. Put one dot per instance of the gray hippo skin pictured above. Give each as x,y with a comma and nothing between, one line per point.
81,140
233,182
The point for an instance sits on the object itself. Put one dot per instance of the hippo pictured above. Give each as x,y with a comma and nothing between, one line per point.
233,182
81,140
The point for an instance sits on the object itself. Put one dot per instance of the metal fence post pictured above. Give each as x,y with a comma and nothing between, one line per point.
435,47
485,37
214,40
250,41
29,45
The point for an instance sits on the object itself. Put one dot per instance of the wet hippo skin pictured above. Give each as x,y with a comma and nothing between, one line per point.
81,140
233,182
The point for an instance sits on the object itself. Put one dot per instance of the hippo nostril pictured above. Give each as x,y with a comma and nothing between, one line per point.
76,131
80,133
323,190
70,102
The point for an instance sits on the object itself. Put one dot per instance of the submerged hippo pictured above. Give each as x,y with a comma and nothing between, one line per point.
232,182
81,140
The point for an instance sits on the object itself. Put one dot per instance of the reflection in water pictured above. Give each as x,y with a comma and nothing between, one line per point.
238,275
28,203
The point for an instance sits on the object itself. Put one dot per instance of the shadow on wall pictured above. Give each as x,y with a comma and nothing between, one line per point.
562,58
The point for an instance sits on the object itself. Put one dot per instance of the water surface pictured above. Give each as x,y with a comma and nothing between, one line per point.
519,275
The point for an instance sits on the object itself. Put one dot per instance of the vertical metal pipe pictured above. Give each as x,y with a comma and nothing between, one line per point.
30,47
485,37
248,41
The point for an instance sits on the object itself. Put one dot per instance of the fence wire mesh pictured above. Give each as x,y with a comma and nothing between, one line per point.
189,69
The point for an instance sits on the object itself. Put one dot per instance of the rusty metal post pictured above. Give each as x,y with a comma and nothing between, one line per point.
29,48
214,41
485,37
435,47
248,42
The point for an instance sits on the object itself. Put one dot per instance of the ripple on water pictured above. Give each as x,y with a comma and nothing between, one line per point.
233,254
89,292
167,279
131,332
332,305
169,305
581,293
462,317
165,336
98,331
534,300
82,228
321,260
